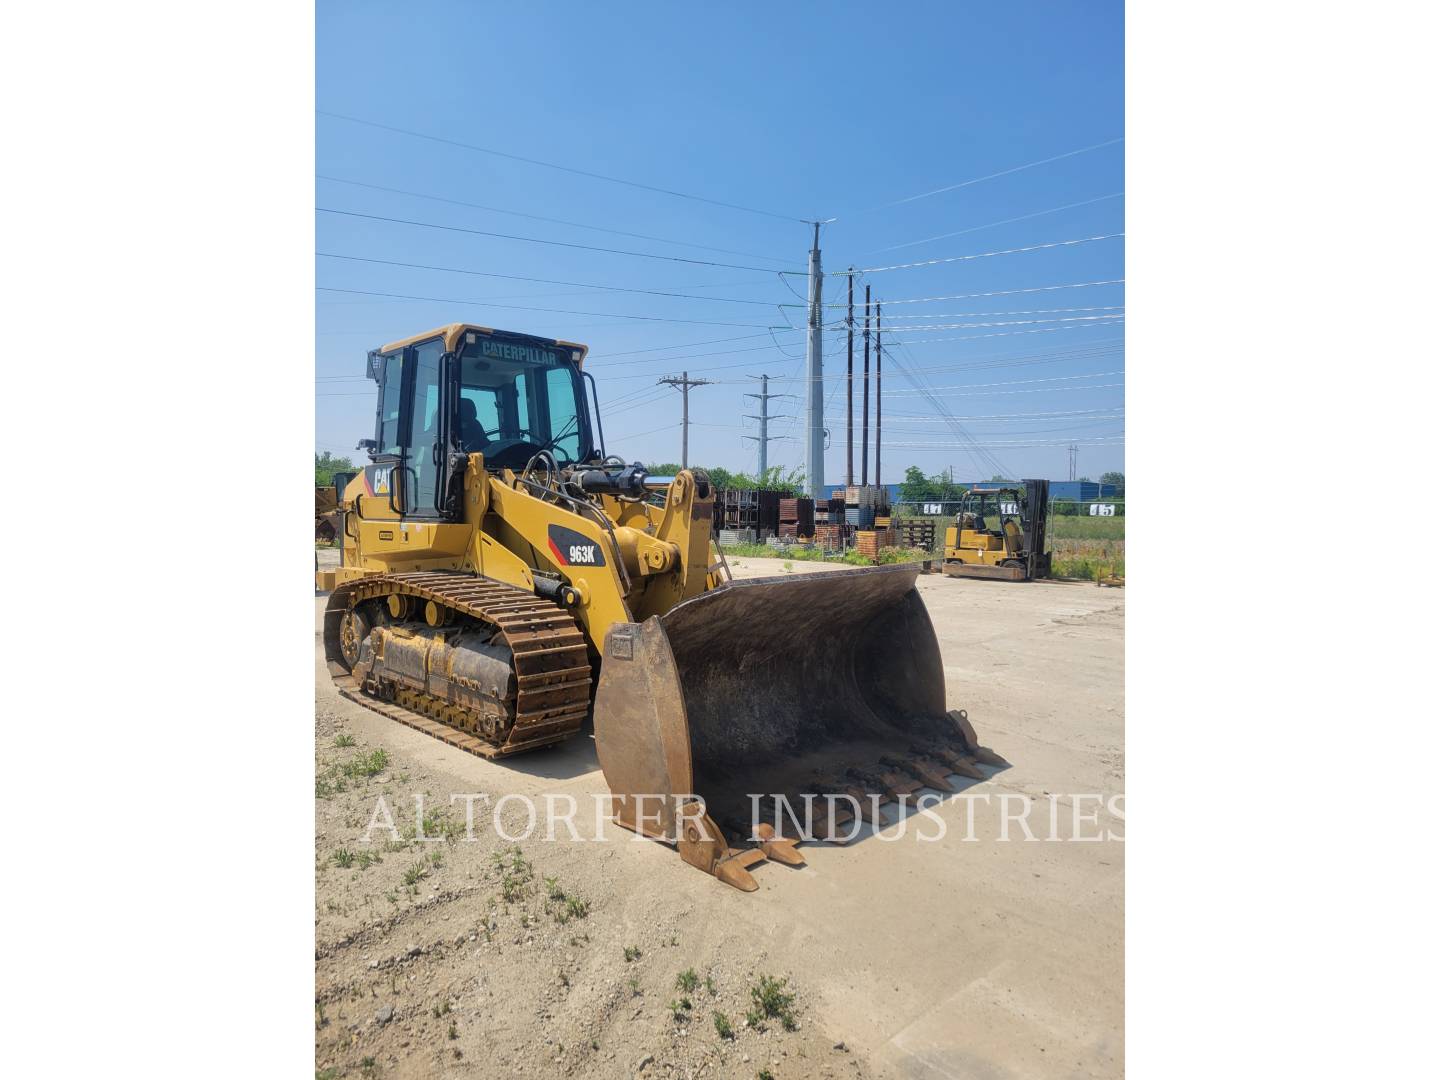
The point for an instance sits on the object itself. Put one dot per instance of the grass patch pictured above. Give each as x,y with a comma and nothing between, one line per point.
343,858
687,981
632,953
1088,559
722,1025
329,783
679,1010
366,765
343,742
772,1001
516,873
1085,527
414,874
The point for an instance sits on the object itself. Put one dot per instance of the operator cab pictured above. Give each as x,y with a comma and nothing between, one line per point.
464,389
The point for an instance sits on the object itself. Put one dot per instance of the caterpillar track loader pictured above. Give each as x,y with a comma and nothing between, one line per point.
503,580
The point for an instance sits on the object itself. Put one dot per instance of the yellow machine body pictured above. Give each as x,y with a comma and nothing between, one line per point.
501,598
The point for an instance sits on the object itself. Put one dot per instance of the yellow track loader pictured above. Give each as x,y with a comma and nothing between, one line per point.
503,580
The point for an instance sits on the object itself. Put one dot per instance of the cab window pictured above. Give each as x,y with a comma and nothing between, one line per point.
425,453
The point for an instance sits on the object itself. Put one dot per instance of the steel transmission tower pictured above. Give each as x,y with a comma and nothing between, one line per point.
764,437
814,366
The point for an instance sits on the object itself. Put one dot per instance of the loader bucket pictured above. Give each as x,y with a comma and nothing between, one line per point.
820,683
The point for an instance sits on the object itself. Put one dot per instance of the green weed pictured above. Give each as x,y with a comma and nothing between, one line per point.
772,1000
363,765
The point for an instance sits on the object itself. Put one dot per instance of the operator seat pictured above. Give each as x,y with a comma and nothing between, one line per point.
472,433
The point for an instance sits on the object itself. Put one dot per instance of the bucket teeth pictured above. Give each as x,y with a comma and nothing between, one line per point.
778,848
986,756
862,800
933,775
887,783
898,781
958,763
735,869
966,730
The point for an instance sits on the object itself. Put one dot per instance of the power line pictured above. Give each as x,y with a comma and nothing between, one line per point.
561,168
1025,382
684,345
1037,390
995,175
550,220
1098,349
992,254
977,314
979,454
911,418
930,327
552,243
1002,292
550,281
517,307
994,224
1118,319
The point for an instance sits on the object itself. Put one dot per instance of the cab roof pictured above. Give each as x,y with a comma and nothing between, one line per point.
451,335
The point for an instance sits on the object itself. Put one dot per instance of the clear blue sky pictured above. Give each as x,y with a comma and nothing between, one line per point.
805,111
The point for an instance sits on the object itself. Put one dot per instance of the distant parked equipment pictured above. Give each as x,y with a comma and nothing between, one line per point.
1000,533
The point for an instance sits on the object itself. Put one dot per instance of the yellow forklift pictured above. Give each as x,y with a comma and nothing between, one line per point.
1001,532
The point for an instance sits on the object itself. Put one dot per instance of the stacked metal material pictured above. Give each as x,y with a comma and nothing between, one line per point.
800,513
749,508
861,517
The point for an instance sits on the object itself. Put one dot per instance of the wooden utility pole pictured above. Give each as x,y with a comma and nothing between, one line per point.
865,400
850,383
684,382
878,481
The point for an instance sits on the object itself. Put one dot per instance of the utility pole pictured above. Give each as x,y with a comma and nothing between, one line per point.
850,382
878,481
684,382
764,437
1073,451
865,407
815,405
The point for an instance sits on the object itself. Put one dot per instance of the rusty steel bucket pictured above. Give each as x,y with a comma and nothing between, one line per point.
822,683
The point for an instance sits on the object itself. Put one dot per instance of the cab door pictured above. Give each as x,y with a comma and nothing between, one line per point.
425,429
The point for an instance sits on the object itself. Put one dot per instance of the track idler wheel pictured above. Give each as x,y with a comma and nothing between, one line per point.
354,627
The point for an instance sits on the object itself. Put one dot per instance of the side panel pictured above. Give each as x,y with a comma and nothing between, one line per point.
517,530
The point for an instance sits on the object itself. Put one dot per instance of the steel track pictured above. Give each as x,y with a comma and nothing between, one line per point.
552,667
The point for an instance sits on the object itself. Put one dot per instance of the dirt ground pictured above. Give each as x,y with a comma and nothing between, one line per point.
908,957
